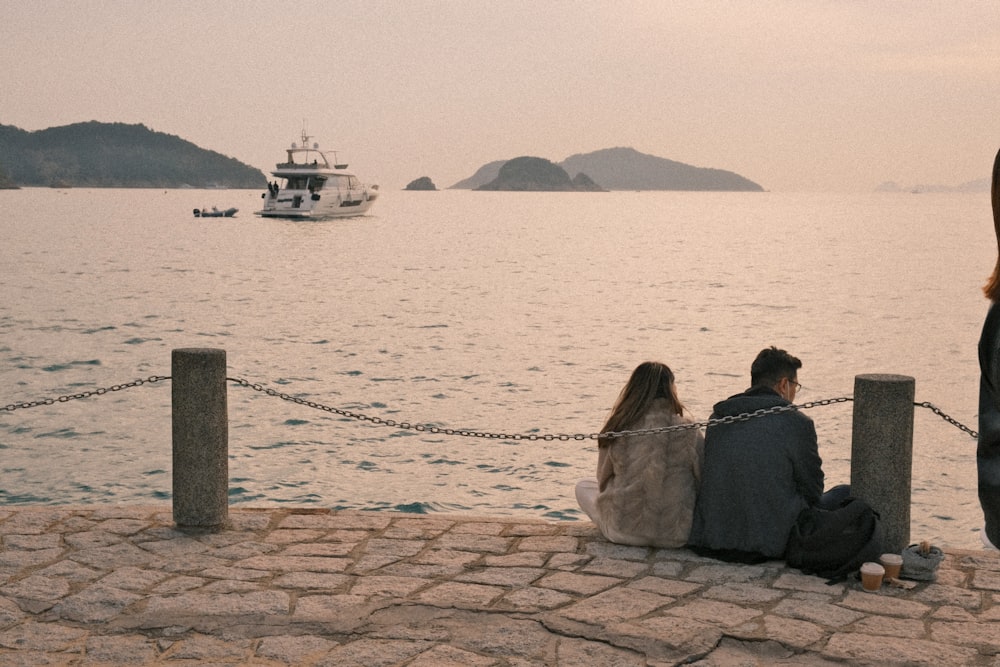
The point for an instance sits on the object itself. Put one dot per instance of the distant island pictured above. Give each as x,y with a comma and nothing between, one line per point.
422,183
116,155
980,185
628,169
538,174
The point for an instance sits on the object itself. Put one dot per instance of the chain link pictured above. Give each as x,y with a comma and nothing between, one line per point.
951,420
85,394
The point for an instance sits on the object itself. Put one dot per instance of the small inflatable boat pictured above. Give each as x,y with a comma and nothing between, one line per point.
214,213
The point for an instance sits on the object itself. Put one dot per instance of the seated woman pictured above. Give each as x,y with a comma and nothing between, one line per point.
647,484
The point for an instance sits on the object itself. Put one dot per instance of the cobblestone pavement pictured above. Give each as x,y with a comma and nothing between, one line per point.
122,586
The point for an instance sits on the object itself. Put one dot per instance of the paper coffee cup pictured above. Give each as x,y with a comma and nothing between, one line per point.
871,577
892,563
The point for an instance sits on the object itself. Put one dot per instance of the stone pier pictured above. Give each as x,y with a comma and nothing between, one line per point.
124,586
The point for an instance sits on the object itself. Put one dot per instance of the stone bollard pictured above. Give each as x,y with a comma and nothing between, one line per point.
882,451
200,438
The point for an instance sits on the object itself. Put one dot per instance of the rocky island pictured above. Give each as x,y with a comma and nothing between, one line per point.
525,174
422,183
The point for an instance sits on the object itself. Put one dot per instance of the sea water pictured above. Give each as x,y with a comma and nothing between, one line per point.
493,312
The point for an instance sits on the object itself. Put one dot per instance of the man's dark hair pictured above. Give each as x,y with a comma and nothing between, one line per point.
773,365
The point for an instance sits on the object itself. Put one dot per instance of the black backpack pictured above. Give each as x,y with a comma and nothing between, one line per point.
834,543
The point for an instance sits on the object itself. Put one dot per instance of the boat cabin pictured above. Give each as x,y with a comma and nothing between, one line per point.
314,183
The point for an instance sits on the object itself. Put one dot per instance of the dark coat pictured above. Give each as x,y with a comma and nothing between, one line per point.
757,476
988,451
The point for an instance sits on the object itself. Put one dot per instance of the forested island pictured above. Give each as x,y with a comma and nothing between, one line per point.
115,155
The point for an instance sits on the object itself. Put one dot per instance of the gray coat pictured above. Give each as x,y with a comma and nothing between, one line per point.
757,476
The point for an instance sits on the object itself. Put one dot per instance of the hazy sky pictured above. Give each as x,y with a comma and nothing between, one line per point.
796,95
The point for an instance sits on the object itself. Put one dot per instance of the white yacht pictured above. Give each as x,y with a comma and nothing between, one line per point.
310,186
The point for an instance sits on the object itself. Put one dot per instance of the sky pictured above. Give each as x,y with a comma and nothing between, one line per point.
794,95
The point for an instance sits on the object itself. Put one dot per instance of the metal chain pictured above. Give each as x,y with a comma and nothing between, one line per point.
404,425
85,394
482,434
534,436
951,420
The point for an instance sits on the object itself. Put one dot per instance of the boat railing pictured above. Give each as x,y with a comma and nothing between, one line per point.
313,158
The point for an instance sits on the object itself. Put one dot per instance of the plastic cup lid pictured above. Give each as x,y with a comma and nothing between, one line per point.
872,568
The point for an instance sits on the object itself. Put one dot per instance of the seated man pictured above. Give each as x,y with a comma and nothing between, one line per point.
760,473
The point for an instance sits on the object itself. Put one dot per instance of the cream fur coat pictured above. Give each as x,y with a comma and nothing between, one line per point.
648,484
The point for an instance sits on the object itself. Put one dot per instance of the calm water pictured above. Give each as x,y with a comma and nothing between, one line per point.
509,312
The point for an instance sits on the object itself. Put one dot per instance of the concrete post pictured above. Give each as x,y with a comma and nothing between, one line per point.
200,438
882,451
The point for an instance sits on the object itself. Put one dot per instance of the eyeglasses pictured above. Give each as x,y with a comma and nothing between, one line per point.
794,383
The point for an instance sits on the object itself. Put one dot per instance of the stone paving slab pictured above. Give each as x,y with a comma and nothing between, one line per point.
292,586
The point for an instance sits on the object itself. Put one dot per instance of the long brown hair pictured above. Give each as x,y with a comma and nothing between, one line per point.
992,287
650,380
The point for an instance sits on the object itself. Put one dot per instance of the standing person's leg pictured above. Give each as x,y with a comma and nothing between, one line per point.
988,467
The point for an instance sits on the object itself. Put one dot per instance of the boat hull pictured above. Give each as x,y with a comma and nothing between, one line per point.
302,206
